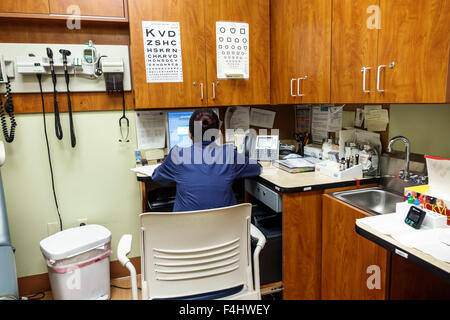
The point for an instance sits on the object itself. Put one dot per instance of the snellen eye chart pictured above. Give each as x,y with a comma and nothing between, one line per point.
232,39
162,46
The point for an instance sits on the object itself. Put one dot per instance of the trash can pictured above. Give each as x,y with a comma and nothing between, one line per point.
78,263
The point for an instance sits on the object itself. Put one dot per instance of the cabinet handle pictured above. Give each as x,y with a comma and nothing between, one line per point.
214,91
378,78
364,71
201,88
292,89
298,86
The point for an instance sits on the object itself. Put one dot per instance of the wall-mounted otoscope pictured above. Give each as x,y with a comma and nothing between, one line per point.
58,128
65,54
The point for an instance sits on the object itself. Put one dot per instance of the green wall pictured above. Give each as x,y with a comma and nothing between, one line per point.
93,181
427,126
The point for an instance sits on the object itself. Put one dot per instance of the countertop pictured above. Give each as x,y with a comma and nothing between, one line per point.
286,182
438,267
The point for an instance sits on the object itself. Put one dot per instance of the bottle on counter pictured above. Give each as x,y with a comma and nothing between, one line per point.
368,157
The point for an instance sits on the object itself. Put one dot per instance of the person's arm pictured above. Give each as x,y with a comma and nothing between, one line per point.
244,167
166,172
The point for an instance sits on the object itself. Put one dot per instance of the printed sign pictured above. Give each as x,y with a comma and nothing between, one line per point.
232,40
162,46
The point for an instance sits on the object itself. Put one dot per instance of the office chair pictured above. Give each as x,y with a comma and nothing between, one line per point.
196,255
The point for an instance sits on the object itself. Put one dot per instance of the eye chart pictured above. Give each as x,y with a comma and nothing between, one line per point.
232,39
162,46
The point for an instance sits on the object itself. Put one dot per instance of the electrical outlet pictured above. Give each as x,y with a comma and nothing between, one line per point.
82,221
52,228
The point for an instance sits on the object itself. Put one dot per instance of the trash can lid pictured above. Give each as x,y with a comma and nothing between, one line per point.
73,241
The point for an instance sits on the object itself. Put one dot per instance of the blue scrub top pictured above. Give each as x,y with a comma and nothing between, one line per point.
204,175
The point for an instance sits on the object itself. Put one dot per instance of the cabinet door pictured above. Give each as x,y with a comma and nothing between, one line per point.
255,90
354,47
348,260
24,6
190,15
314,55
284,48
414,35
103,8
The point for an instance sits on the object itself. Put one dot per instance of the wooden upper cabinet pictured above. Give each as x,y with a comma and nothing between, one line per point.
24,6
413,53
349,261
103,8
354,47
255,90
190,15
300,51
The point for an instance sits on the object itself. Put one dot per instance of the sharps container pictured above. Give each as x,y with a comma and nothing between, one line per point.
78,263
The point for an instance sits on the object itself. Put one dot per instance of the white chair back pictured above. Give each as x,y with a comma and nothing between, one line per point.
191,253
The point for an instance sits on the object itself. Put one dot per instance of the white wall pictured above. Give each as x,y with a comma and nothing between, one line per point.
93,181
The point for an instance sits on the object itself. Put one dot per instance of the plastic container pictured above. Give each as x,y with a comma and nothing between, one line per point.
439,176
78,263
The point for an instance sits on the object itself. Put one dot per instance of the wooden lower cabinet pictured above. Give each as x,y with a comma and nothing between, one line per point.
302,233
353,268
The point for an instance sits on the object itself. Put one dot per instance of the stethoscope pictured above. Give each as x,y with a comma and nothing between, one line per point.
124,118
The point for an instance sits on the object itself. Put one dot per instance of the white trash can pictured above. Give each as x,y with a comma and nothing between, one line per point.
78,263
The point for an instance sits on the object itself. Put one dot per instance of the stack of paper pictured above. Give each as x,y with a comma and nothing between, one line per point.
425,239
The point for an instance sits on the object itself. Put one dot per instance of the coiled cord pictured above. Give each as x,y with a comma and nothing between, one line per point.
9,109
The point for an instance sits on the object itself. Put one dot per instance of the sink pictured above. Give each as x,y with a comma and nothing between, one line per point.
373,200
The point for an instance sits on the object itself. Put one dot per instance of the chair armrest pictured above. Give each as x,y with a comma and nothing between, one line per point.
256,233
124,248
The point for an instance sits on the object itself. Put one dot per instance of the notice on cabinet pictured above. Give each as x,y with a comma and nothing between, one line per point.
262,118
162,46
151,129
232,40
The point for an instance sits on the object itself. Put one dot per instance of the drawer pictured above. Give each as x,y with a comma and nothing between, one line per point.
267,196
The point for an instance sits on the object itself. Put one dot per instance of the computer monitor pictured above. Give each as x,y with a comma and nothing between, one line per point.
178,128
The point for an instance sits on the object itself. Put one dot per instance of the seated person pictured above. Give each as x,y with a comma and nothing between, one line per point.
204,172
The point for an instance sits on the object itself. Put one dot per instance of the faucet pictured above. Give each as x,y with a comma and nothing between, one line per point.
405,175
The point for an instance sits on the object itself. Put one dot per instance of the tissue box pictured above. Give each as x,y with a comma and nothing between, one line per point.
430,202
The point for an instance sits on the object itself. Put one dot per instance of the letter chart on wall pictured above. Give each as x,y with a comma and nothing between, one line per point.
162,47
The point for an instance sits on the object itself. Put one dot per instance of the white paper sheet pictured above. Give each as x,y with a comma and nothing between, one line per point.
162,51
151,129
236,118
233,47
147,170
425,239
319,123
262,118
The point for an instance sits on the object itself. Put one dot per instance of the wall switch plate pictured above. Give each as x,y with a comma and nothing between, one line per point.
52,228
82,221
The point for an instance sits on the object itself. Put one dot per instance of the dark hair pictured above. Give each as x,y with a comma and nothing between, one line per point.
208,118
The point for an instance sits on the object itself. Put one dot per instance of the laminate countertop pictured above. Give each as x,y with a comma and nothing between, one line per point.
286,182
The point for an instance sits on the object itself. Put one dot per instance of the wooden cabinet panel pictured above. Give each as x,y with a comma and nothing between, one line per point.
314,55
354,46
105,8
415,36
24,6
346,255
255,90
411,282
190,15
300,51
302,238
284,45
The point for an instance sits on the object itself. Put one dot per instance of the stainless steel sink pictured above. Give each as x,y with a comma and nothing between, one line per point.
373,200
